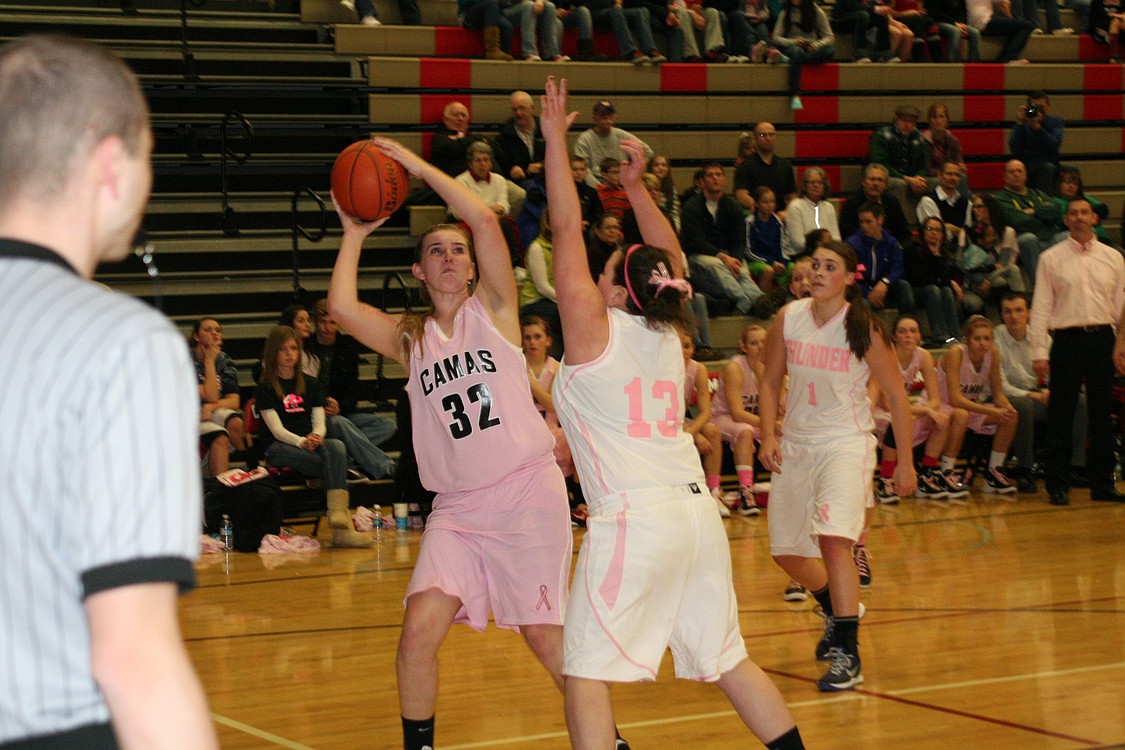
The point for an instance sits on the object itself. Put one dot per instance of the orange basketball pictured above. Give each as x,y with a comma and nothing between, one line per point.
367,183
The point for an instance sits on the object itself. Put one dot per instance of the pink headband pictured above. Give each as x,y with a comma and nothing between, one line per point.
660,278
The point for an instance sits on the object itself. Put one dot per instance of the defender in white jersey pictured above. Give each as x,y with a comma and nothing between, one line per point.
829,344
654,569
498,539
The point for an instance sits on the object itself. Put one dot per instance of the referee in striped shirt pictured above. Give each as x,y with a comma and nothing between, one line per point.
101,502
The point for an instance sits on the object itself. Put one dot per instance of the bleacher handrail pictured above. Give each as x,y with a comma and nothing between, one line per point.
299,231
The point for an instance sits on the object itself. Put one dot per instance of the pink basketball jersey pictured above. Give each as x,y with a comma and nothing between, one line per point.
719,405
691,367
827,382
546,379
622,412
913,378
976,385
474,420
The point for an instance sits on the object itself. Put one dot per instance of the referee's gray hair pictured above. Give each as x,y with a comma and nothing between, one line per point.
59,98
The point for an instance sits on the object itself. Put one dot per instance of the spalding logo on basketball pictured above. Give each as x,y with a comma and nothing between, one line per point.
367,183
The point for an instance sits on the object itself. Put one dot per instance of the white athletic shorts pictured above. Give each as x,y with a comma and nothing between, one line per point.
823,490
653,572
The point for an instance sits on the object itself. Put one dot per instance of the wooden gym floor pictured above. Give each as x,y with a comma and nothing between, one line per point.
989,625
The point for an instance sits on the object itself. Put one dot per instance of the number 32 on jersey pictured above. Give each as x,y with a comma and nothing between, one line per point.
462,425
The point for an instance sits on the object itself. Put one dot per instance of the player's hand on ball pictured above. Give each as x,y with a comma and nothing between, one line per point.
352,224
413,163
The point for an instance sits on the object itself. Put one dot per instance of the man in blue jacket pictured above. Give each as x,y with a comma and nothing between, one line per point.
882,279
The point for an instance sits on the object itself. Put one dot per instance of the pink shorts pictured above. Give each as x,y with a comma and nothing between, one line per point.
505,549
731,429
977,425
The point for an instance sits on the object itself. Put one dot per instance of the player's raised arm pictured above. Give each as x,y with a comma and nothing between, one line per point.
582,308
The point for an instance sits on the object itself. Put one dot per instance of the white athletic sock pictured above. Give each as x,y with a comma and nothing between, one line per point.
948,462
996,459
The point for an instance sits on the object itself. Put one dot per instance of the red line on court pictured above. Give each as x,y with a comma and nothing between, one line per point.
953,711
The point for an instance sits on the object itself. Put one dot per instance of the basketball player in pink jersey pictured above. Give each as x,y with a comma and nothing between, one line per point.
708,442
933,421
969,374
829,344
498,539
735,411
617,395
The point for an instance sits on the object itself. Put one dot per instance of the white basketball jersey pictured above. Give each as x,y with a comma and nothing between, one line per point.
827,382
622,412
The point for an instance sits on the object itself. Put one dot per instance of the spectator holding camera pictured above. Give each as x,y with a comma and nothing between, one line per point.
1036,139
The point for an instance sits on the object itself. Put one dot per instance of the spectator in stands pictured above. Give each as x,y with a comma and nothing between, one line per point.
696,186
519,144
764,167
359,446
1079,298
496,29
602,140
1107,24
629,227
603,239
801,35
904,152
485,183
630,26
1036,139
1068,186
757,18
930,266
988,261
944,146
220,421
947,203
857,17
669,201
767,244
873,188
537,289
799,287
587,196
447,151
714,239
952,19
533,15
994,18
292,408
1031,212
610,192
697,24
882,281
810,210
1082,10
912,14
369,16
339,358
1029,396
1029,9
734,28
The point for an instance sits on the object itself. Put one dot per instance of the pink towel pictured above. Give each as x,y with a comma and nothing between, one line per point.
272,543
209,545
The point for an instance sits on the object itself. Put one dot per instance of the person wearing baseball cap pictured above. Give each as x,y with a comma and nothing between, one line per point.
904,152
604,140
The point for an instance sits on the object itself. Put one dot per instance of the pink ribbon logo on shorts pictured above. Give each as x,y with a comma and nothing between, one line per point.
543,599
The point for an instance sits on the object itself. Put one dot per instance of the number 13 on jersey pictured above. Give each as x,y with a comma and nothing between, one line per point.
665,393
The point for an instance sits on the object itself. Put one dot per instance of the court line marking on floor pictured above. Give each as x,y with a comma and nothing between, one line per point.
1009,678
889,696
260,734
639,724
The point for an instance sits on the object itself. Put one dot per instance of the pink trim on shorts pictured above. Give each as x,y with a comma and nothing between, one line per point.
611,584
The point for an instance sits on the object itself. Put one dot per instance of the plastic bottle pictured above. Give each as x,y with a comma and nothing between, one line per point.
402,517
226,533
377,522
